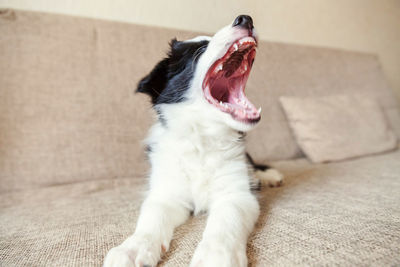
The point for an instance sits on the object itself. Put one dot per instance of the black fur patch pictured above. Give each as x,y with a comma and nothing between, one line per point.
257,167
170,79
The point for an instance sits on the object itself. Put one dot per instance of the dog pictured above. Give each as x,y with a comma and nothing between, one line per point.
197,151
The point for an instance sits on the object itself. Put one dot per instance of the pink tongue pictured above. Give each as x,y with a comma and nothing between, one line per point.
236,96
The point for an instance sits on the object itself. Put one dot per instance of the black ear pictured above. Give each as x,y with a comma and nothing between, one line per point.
154,83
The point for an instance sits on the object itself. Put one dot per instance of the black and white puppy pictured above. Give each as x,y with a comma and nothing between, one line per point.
197,152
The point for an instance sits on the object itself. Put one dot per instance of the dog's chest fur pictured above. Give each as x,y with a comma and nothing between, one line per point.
204,160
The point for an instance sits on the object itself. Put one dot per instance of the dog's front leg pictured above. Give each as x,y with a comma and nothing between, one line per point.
158,218
231,220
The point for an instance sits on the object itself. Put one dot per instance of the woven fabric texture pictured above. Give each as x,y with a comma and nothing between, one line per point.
344,213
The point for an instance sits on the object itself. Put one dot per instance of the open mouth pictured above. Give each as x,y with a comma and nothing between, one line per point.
226,79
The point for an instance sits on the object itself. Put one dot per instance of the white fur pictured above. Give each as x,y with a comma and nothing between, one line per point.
198,164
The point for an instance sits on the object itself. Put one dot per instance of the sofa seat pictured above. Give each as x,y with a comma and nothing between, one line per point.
344,213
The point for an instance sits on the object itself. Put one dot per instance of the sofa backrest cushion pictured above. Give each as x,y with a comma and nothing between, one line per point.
68,112
304,71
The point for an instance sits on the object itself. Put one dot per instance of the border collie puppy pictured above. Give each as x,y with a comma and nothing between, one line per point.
197,152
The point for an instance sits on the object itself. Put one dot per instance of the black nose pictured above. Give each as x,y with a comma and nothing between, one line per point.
244,21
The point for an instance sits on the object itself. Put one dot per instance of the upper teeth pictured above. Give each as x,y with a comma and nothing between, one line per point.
235,46
247,40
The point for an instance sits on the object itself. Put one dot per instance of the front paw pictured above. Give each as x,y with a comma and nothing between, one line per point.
219,254
120,256
270,177
134,252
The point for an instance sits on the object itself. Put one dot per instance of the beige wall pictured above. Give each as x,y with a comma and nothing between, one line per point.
361,25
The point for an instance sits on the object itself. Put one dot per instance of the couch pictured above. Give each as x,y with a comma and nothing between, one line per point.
73,168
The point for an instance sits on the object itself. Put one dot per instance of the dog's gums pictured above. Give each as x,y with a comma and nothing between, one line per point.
226,79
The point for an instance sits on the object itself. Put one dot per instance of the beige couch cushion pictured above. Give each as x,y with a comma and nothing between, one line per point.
303,71
342,214
68,112
338,127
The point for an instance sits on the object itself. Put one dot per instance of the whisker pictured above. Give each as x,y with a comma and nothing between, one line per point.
197,54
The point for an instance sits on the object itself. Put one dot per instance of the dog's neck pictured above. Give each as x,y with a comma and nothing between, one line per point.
191,121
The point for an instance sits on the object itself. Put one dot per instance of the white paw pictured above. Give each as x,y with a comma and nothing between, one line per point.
219,254
134,252
270,177
119,256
